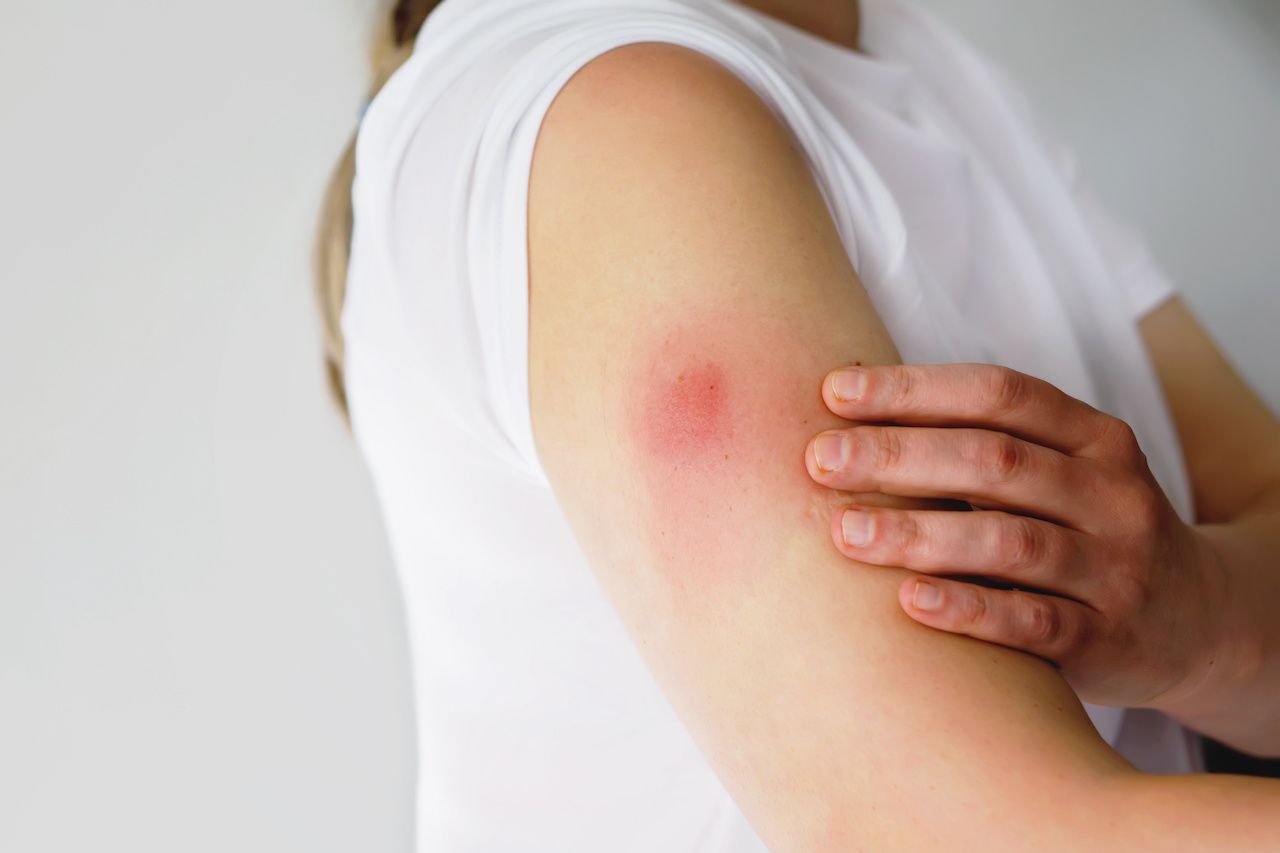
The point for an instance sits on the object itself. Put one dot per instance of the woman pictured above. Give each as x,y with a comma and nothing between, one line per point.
604,256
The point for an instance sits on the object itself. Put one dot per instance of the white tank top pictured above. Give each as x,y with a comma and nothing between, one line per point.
539,727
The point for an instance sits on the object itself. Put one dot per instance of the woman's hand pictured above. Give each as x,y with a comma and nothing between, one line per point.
1107,581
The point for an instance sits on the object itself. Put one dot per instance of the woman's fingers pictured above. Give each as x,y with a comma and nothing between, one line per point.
986,468
980,395
1013,548
1044,625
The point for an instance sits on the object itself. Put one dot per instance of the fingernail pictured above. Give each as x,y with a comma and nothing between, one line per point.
855,526
831,451
848,384
926,597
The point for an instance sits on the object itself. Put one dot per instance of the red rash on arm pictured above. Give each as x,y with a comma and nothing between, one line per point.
717,431
683,422
686,417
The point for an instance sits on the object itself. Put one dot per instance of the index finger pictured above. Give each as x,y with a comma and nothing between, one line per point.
974,395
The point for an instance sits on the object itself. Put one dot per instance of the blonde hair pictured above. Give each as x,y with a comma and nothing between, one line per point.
333,236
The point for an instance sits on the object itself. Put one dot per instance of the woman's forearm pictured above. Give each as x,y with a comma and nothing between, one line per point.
1231,441
1237,699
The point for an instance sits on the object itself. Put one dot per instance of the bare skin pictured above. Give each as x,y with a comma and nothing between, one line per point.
1158,613
1071,509
675,229
1134,606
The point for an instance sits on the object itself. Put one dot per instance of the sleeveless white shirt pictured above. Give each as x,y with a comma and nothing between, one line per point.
539,727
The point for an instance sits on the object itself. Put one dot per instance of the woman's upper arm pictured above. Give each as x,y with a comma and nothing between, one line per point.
688,291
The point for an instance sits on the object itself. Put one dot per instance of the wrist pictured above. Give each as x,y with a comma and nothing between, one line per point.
1227,650
1226,666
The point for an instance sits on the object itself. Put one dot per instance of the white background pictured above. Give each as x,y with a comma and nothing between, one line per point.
201,644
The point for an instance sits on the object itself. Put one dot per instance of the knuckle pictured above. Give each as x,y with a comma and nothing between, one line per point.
973,610
1021,545
910,539
886,449
1042,623
1142,507
1132,590
902,387
1006,389
1002,457
1121,441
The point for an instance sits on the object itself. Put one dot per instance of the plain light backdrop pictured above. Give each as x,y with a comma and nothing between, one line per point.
201,642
